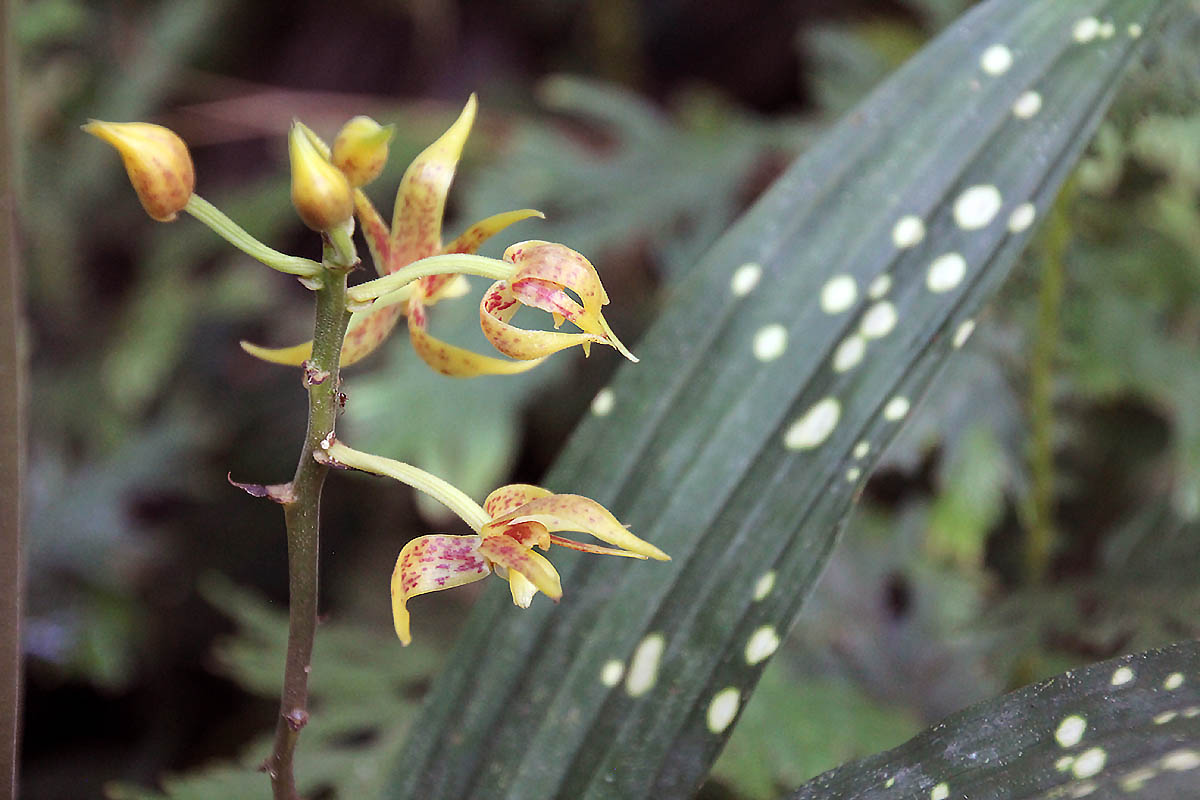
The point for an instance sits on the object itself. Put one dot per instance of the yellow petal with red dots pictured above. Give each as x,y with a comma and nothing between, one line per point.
516,557
511,497
430,564
470,239
583,547
450,360
292,356
421,199
375,231
572,512
368,330
497,307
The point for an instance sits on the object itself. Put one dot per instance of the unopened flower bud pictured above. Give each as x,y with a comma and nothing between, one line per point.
320,192
361,149
157,161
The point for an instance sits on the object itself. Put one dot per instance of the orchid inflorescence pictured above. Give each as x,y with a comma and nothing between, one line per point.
417,269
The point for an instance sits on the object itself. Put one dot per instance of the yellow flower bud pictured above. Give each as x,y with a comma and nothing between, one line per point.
361,149
320,192
157,161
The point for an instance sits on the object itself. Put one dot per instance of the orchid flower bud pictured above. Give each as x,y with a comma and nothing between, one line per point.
361,149
157,161
320,192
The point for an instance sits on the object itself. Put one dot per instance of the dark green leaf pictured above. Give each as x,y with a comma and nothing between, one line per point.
1129,727
737,446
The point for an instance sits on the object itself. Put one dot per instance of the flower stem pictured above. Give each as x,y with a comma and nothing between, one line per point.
445,493
302,512
448,264
237,236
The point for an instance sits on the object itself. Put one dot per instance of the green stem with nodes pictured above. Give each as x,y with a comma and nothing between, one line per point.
450,264
301,507
237,236
448,495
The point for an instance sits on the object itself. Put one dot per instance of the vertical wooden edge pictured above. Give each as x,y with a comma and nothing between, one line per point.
12,439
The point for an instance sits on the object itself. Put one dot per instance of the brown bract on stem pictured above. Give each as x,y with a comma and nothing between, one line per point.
302,514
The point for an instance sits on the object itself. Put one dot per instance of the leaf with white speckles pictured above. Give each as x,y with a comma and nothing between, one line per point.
812,326
1073,735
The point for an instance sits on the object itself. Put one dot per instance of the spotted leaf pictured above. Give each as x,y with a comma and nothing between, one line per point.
1129,727
780,367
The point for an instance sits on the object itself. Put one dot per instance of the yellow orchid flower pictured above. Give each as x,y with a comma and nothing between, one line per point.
157,161
539,276
521,517
511,522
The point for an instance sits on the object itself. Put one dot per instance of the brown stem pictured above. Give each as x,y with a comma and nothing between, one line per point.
302,512
12,443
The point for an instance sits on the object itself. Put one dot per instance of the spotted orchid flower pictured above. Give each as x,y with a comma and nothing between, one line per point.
520,517
416,233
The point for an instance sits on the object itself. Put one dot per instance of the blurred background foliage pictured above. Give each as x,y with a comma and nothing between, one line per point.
156,591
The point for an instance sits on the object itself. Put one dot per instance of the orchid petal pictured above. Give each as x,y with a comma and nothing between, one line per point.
292,356
511,497
571,512
583,547
470,239
515,557
430,564
421,199
375,231
497,307
367,331
449,359
521,589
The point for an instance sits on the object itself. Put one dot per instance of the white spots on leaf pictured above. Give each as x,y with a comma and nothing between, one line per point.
643,668
1085,29
908,231
889,783
1107,29
1134,781
1021,217
1165,717
996,60
977,206
814,426
838,294
879,320
880,286
964,331
1083,789
1070,731
1173,681
861,449
940,792
1191,711
1181,760
603,402
1028,104
723,708
849,353
612,672
853,474
761,644
1064,763
1122,676
1135,30
770,342
946,272
764,585
896,409
745,278
1089,762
